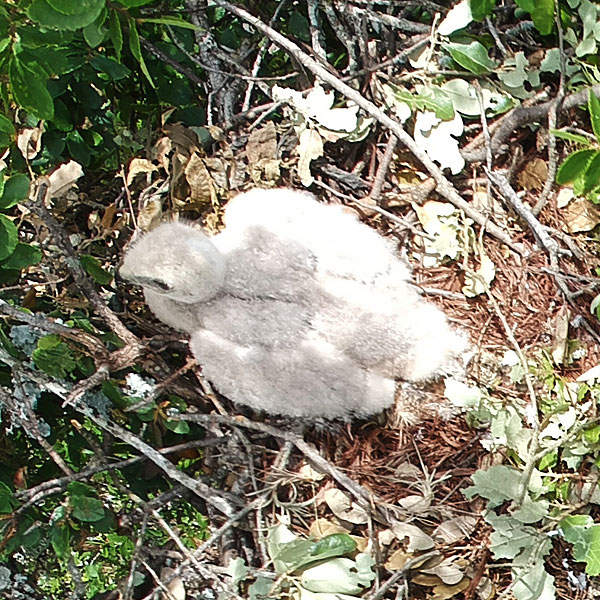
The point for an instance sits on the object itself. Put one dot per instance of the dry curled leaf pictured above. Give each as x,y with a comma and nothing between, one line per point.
137,166
581,215
63,178
309,148
343,507
417,539
29,142
455,529
533,175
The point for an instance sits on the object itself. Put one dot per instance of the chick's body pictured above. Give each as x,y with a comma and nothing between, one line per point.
296,308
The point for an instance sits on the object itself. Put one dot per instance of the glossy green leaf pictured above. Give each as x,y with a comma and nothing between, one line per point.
480,9
542,13
116,32
473,57
591,179
92,266
134,46
60,538
594,108
134,3
181,427
575,166
6,126
16,189
69,7
174,21
6,498
9,237
23,256
30,90
87,509
42,12
94,34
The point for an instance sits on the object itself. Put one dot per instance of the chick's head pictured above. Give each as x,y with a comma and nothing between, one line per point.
176,261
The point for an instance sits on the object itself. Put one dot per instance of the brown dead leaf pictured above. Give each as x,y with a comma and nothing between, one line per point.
398,559
202,188
63,178
161,151
533,175
581,215
184,140
137,166
150,215
262,144
108,217
426,580
444,591
29,142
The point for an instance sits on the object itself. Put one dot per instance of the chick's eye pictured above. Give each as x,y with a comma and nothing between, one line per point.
161,285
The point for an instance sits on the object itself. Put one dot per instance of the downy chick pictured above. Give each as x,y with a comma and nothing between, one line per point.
296,308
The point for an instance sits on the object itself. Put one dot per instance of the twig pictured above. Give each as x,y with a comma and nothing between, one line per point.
316,36
382,169
445,188
552,119
540,232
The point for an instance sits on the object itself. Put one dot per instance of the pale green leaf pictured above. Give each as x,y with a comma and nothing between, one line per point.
594,108
473,57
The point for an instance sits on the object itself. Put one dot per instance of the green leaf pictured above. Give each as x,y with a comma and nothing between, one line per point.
68,7
581,531
94,34
54,357
116,33
498,484
174,21
92,267
87,509
23,256
6,126
594,108
134,46
16,189
480,9
77,488
6,498
571,137
336,544
109,66
473,57
431,98
575,166
181,427
591,179
134,3
60,538
9,237
80,13
542,13
29,89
